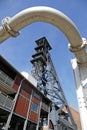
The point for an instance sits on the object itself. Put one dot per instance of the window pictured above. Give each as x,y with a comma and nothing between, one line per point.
26,88
37,95
34,107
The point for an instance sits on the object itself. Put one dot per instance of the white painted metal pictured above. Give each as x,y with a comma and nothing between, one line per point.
80,73
11,26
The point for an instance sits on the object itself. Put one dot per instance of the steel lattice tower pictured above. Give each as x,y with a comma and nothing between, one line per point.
49,85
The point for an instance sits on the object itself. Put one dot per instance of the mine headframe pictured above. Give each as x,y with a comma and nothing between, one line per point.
48,83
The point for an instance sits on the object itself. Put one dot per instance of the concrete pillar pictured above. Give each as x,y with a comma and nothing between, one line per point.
26,121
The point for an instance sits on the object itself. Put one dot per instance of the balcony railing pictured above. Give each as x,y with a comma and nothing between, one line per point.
45,107
6,101
6,79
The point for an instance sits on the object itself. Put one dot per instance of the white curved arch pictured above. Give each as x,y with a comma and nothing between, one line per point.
50,15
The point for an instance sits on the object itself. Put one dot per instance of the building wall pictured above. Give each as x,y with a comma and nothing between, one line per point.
16,82
21,107
27,97
76,117
34,114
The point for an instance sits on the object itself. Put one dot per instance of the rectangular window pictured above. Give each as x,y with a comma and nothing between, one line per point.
37,95
26,88
34,107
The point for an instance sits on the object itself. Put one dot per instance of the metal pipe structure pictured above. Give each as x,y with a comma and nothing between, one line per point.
11,26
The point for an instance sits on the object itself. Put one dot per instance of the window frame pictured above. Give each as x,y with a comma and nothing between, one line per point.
33,105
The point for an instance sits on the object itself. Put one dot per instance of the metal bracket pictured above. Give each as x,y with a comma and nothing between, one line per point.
79,48
7,28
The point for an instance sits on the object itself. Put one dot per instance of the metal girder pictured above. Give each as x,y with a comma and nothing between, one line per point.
49,85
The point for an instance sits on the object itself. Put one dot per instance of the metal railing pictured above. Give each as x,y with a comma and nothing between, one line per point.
6,101
45,107
6,79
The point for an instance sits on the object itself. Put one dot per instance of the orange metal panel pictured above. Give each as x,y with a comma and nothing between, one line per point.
37,101
22,106
15,86
33,116
26,90
23,92
27,87
17,82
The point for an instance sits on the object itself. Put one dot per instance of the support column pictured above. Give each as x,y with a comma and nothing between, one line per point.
26,121
80,74
49,118
37,127
14,103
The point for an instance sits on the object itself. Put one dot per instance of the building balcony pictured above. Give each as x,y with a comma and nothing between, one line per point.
6,83
45,107
6,101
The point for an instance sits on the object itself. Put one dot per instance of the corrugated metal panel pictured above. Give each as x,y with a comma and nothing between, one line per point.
6,79
22,106
4,88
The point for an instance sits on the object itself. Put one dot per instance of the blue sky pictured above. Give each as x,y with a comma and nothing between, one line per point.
18,51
